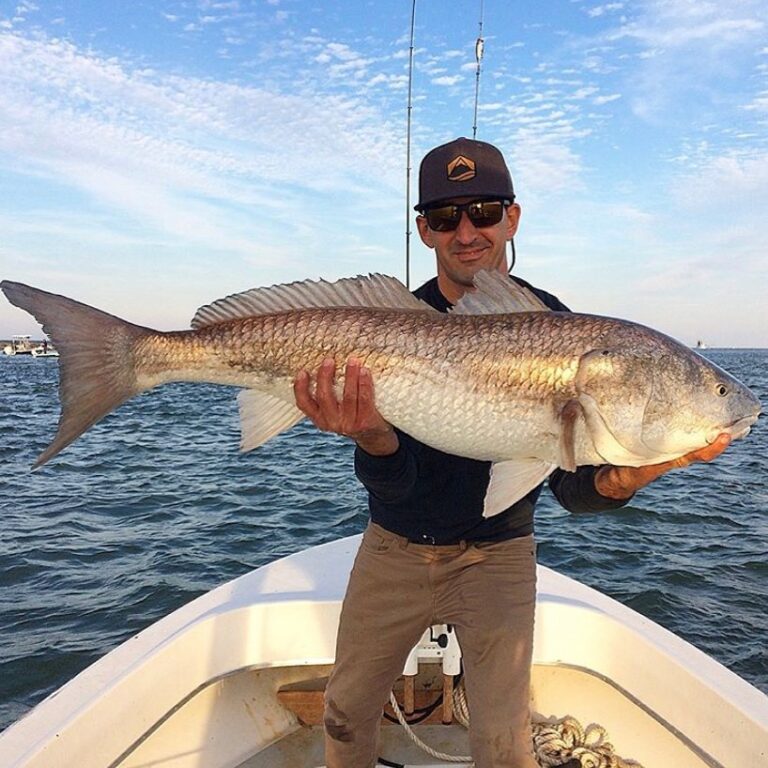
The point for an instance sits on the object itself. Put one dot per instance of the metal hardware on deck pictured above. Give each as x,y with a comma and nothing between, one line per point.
438,643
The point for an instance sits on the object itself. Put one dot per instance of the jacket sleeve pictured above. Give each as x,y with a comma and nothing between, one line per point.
576,491
387,478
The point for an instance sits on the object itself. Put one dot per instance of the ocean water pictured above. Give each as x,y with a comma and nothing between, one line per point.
155,505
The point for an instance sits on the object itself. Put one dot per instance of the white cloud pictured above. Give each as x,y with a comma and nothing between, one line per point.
447,80
600,100
601,10
188,158
584,93
759,103
544,166
733,181
684,53
678,23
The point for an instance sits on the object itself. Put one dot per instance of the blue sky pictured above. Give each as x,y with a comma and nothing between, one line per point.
156,155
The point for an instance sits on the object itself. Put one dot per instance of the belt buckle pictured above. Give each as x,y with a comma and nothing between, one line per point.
426,539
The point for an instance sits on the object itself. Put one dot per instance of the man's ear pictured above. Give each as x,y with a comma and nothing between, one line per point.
513,219
425,233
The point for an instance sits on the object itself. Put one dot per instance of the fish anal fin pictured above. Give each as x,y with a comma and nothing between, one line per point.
262,416
511,480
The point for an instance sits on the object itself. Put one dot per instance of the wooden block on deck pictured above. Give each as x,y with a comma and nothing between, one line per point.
307,705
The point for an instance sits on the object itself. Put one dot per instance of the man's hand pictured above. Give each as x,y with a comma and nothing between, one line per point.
622,482
355,415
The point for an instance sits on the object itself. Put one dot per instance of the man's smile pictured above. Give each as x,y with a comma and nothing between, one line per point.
471,254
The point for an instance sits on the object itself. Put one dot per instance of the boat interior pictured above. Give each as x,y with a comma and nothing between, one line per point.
281,710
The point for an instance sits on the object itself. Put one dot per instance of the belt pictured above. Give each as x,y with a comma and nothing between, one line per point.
428,540
433,542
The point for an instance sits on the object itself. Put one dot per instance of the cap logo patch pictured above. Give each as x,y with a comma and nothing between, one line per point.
461,169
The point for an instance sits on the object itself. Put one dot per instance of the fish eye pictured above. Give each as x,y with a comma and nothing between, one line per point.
721,390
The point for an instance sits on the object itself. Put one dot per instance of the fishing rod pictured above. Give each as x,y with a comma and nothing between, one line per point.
479,50
408,156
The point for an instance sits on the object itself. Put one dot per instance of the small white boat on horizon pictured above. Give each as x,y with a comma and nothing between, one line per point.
46,349
234,680
20,344
23,345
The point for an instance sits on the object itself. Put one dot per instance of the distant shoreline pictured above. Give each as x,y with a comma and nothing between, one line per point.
3,342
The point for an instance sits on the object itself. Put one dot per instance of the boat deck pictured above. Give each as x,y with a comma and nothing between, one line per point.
557,691
305,747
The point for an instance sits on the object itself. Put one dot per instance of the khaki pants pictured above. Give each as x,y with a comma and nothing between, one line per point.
397,589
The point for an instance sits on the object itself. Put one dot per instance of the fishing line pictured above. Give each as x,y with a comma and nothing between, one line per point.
479,49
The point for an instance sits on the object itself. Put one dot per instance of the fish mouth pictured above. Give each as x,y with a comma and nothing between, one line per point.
740,427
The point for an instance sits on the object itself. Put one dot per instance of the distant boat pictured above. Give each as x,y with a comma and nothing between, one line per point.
700,345
20,345
46,349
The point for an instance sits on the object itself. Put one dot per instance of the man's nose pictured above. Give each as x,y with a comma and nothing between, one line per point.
466,232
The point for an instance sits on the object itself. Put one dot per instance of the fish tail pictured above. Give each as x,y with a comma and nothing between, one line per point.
96,359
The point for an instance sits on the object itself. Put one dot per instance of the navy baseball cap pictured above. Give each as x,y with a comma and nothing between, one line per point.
463,168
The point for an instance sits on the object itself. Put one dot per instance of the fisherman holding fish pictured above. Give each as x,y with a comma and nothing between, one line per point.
429,554
473,410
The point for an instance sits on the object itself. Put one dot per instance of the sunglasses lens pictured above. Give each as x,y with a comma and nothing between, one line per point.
444,219
481,214
485,214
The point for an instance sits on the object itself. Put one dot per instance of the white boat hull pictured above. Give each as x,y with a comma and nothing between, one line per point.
198,688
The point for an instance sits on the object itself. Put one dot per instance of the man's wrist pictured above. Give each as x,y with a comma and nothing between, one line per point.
377,442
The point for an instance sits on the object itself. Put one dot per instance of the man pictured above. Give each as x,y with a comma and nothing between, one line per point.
429,556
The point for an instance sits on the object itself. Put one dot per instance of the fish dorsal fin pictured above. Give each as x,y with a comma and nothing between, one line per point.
497,294
371,291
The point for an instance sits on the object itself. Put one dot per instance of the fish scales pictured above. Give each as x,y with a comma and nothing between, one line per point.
412,357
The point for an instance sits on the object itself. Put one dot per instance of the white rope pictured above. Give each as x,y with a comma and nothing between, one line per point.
416,740
555,741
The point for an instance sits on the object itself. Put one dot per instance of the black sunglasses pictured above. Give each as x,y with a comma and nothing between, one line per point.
482,213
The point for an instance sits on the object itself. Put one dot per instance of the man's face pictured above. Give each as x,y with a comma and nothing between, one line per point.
466,250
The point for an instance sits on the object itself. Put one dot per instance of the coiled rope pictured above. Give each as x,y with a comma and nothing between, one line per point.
554,741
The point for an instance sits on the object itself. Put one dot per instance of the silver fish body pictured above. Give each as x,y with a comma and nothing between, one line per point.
528,390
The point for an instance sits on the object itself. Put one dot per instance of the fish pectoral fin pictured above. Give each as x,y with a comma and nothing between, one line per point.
263,416
570,413
511,480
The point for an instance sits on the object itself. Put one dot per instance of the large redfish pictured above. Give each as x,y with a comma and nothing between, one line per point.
497,379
